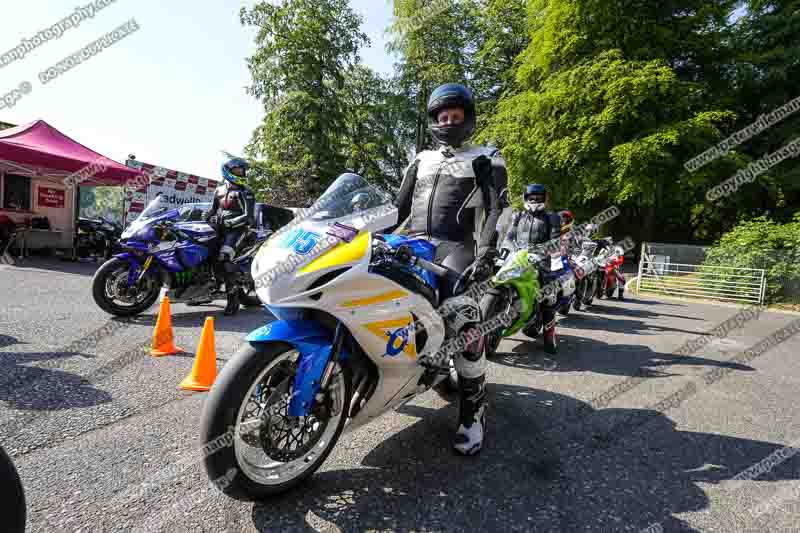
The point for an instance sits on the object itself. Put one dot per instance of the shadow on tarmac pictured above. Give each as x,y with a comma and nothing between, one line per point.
530,476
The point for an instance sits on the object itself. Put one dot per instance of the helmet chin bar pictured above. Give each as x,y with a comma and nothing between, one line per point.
451,135
534,207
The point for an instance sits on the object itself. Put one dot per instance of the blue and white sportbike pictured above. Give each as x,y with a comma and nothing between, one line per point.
163,248
358,333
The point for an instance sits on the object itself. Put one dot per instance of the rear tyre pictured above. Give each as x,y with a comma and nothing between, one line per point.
12,495
253,391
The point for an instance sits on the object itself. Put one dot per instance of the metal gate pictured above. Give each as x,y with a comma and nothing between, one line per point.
678,270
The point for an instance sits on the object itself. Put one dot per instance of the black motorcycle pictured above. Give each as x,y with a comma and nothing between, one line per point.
97,238
12,496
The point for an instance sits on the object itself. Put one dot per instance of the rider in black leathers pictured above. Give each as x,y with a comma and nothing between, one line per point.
232,213
533,226
451,197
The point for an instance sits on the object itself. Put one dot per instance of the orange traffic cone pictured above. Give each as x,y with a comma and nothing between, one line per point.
204,370
163,342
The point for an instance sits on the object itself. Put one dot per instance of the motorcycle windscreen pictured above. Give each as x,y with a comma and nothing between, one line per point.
156,208
352,201
349,207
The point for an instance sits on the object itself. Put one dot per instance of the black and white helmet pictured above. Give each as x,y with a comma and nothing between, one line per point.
448,96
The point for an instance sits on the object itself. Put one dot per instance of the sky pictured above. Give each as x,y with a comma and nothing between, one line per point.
172,92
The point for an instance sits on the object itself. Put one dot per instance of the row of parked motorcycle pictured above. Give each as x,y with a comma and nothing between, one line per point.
527,279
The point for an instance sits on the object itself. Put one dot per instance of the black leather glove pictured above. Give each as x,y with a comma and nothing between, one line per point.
485,263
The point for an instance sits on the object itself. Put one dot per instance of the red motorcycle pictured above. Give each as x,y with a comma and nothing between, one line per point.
612,276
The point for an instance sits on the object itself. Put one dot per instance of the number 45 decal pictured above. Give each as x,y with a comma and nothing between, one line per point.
302,241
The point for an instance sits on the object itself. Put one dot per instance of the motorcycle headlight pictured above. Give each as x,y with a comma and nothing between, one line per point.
512,273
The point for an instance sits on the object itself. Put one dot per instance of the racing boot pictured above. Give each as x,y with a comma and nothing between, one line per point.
231,289
233,301
621,283
471,368
472,415
550,338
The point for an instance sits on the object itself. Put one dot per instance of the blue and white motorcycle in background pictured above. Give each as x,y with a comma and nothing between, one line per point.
355,321
162,248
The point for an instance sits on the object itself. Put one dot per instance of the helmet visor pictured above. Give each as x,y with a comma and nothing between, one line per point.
237,171
535,198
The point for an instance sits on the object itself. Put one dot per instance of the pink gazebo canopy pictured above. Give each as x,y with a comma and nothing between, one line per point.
41,147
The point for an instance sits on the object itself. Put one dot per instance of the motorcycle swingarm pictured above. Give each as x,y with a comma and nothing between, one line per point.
315,346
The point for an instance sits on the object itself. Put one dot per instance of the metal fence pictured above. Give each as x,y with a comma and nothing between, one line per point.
682,270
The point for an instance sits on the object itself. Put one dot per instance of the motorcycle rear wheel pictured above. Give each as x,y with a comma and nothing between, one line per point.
264,372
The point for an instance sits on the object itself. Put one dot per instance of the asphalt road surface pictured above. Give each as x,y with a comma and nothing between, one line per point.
88,423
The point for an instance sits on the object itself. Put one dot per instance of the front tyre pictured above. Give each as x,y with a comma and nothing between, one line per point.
112,294
12,495
492,304
269,452
580,293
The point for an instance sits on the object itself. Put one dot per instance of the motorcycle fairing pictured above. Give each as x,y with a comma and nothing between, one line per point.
314,344
526,284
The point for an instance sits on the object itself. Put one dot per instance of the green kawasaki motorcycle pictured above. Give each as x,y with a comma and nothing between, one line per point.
518,291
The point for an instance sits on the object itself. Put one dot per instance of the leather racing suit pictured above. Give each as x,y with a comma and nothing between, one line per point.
526,229
451,197
234,209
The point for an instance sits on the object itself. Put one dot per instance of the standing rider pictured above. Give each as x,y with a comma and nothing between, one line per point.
531,226
450,195
231,214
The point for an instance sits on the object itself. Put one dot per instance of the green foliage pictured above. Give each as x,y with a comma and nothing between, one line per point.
602,100
765,244
435,40
378,128
304,48
608,128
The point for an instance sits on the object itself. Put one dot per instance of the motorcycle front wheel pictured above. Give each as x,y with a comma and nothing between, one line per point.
12,495
492,304
111,292
591,283
580,294
269,452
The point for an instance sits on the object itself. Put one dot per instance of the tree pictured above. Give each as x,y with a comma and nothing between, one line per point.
436,40
378,127
502,35
765,71
304,48
611,100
